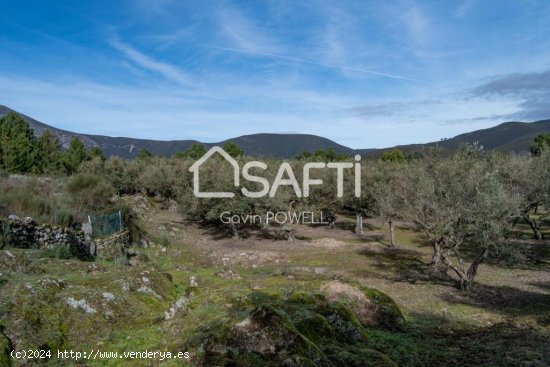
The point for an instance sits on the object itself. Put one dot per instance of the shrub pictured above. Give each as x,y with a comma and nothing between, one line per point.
88,192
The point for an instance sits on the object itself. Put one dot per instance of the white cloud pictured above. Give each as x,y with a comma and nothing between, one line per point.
168,71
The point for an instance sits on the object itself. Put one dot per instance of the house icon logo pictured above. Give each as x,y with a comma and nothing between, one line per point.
195,168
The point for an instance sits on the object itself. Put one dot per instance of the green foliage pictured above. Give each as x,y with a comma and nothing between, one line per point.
233,149
88,192
22,152
18,146
540,143
73,156
463,204
394,155
96,152
328,155
304,156
194,152
144,154
39,200
48,153
5,348
58,251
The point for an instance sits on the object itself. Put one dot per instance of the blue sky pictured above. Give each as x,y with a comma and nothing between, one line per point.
363,73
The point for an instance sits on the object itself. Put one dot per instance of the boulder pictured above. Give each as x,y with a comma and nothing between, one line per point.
372,307
297,329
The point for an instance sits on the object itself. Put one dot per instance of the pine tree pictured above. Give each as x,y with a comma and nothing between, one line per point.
233,149
96,152
48,153
18,145
73,156
144,154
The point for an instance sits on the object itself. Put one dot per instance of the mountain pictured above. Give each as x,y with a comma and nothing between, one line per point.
509,136
63,136
273,145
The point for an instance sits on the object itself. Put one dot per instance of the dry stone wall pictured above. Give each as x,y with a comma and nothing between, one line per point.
27,233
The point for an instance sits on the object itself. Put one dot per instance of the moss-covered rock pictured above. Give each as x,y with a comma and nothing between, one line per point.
296,329
372,307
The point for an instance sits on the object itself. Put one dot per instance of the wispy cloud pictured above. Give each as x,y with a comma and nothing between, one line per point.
242,33
324,65
417,25
168,71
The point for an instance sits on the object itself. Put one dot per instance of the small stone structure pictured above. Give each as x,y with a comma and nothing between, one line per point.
27,233
113,246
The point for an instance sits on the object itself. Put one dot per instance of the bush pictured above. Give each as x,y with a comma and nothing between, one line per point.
88,192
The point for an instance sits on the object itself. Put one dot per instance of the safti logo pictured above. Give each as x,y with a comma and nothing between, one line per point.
285,170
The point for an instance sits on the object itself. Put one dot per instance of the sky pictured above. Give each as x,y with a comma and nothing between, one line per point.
366,74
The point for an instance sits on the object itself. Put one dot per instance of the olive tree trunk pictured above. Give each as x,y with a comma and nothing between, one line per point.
234,230
535,226
436,255
359,224
392,233
465,278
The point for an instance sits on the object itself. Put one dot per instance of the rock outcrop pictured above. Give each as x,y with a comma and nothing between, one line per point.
292,330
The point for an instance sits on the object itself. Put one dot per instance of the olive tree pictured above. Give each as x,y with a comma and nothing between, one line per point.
532,177
385,201
463,205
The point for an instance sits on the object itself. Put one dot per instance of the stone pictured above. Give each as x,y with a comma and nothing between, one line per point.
80,304
109,297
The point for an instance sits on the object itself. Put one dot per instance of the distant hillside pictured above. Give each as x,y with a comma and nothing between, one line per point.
272,145
509,136
63,136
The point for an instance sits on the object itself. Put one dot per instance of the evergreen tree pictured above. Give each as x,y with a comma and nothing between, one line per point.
48,153
540,143
96,152
194,152
17,144
394,155
144,154
233,149
73,156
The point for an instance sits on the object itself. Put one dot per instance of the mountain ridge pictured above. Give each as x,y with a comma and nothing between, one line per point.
512,136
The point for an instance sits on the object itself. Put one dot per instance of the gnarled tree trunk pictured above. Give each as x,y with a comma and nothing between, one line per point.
535,226
436,255
466,278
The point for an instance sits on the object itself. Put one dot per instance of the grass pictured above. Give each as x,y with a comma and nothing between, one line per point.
503,321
